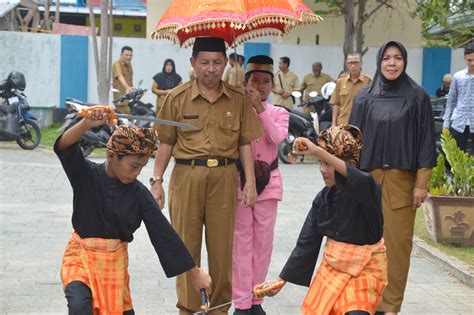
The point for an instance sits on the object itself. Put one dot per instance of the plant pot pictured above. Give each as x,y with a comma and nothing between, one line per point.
450,219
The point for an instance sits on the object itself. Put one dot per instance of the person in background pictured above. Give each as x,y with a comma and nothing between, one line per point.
234,75
443,90
241,61
164,82
285,82
347,87
459,113
399,150
314,80
122,74
253,231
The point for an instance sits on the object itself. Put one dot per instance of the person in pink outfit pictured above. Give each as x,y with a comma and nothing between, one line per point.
253,232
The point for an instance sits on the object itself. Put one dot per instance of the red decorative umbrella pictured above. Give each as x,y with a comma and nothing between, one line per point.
236,21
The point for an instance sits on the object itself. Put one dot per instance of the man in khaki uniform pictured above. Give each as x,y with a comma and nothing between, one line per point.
122,74
285,82
234,75
314,81
203,184
347,87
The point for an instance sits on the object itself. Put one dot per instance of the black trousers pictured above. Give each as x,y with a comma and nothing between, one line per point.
79,299
462,137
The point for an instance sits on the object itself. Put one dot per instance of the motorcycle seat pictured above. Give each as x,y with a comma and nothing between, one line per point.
79,101
303,115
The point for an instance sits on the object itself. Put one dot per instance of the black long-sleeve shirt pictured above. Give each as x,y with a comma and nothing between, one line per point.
350,212
105,208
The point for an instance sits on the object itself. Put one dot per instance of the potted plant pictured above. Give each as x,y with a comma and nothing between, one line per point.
449,208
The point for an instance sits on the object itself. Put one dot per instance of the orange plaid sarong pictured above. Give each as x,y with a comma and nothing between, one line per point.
350,278
102,264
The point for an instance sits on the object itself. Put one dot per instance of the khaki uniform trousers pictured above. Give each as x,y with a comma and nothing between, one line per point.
199,196
399,221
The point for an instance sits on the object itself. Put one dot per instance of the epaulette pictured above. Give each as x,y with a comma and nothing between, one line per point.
180,88
233,88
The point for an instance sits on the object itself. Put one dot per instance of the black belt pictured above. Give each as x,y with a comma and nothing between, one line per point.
206,162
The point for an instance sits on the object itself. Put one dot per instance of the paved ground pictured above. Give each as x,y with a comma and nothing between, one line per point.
35,212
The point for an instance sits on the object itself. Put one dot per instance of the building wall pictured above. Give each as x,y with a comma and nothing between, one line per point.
38,58
125,26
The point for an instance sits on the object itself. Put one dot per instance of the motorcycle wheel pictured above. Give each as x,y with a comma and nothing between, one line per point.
286,147
86,148
30,135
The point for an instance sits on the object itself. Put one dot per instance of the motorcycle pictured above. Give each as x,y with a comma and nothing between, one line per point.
438,105
93,138
16,122
307,126
137,107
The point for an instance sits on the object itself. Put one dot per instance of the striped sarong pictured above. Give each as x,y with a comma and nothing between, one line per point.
102,264
350,278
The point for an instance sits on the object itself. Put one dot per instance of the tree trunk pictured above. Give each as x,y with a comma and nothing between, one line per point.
359,27
103,83
111,36
348,11
102,57
46,23
57,14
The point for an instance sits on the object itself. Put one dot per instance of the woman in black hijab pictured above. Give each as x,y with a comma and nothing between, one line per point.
396,120
164,81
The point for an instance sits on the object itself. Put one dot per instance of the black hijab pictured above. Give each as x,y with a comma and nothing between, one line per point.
167,80
396,120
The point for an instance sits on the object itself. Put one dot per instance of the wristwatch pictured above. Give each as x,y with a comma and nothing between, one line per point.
155,179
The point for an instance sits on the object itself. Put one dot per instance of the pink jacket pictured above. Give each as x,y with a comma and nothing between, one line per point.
274,123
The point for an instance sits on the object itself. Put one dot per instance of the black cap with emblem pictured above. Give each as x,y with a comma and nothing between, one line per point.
260,63
212,44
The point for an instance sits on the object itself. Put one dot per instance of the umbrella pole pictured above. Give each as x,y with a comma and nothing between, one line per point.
237,59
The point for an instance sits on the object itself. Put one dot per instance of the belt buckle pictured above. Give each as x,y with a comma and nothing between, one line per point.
212,163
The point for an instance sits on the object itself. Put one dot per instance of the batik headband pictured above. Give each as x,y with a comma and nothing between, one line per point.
131,140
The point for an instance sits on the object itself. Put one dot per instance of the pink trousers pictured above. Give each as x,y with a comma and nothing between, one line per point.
252,251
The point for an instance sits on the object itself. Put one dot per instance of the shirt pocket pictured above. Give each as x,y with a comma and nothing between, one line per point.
191,136
343,95
228,133
400,184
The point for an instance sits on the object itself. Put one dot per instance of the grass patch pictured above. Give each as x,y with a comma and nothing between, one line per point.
51,133
465,254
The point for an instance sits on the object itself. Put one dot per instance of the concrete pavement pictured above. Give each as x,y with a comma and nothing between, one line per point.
35,215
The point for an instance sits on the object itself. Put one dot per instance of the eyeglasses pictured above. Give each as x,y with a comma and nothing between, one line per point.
353,63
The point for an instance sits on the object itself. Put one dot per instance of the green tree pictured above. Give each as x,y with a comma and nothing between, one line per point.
356,14
446,22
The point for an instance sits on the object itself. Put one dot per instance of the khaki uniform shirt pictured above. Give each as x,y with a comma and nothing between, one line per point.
234,76
289,82
223,126
121,68
314,83
344,94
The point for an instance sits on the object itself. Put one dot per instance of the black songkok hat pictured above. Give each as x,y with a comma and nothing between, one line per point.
209,44
260,63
